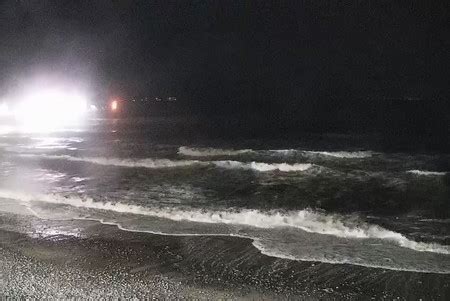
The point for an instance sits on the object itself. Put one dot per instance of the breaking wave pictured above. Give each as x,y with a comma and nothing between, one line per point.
337,154
210,152
427,173
262,167
343,154
306,220
274,251
166,163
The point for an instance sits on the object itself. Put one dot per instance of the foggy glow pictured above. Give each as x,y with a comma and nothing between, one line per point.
50,109
5,129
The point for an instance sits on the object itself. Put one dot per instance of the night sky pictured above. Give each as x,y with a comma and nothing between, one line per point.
289,58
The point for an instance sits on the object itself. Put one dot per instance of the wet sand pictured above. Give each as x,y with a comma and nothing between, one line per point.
61,259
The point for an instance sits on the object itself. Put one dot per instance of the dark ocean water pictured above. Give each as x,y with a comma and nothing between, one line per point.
333,199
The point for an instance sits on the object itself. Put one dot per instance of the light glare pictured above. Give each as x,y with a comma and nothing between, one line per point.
4,109
114,105
52,109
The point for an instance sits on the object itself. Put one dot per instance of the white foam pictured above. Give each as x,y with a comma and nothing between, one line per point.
336,154
166,163
343,154
426,172
284,152
263,167
349,260
306,220
210,152
79,179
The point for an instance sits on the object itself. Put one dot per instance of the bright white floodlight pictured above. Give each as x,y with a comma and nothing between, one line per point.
50,109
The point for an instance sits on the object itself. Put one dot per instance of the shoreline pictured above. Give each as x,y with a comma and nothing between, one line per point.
90,259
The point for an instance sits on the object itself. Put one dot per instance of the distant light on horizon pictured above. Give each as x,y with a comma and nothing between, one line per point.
114,105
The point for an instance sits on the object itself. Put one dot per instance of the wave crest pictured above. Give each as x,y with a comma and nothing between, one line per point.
343,154
263,167
336,154
427,173
210,152
166,163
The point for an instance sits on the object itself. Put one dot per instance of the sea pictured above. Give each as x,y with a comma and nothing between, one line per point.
330,200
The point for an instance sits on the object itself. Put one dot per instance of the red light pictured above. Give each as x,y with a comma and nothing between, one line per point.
114,105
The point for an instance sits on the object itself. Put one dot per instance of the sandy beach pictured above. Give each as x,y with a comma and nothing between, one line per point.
84,259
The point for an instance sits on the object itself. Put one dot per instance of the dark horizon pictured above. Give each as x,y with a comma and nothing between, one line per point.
284,65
